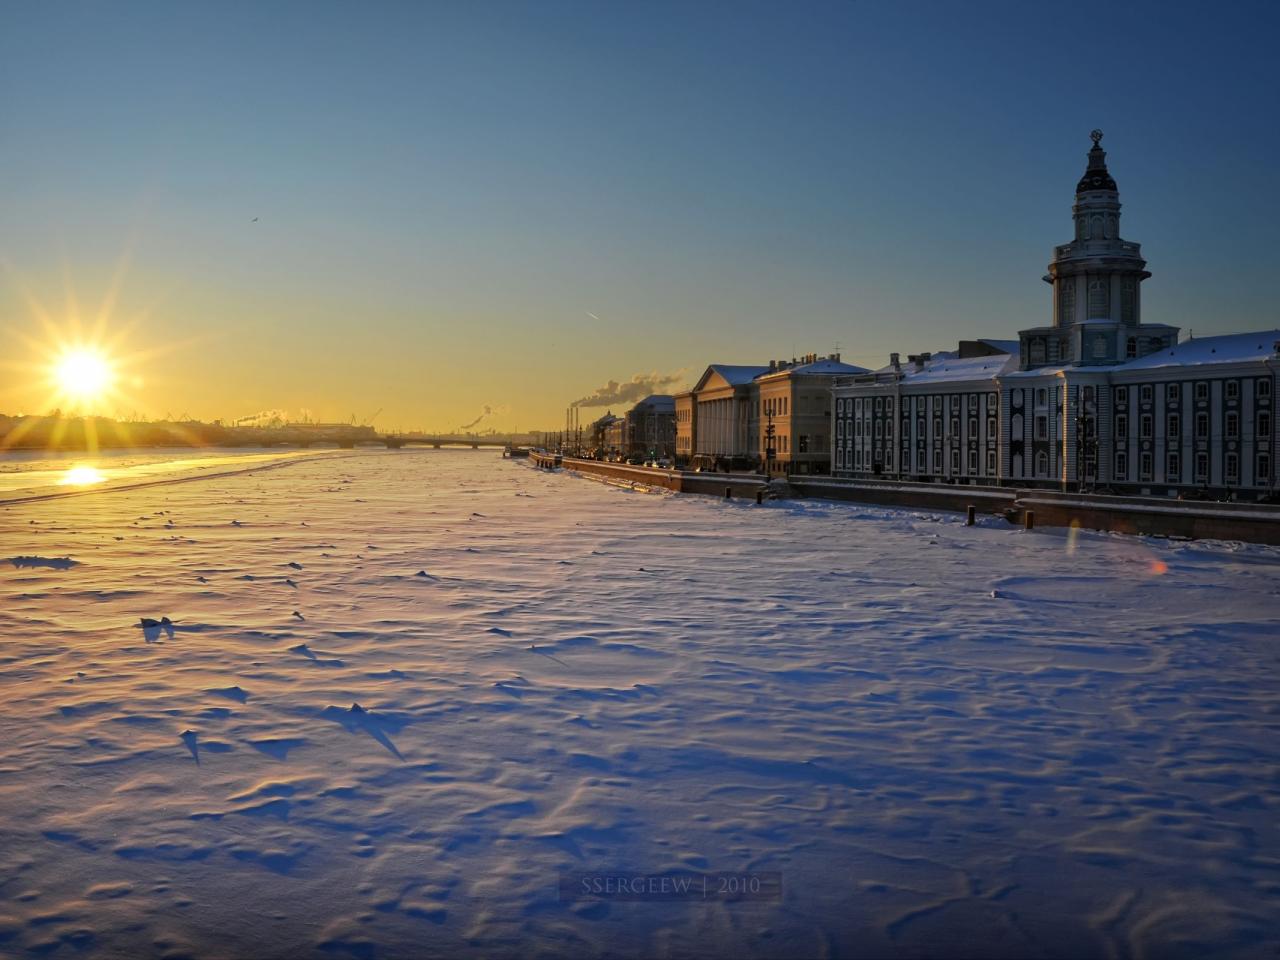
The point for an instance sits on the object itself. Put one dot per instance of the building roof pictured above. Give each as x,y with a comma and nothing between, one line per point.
1007,346
948,367
736,375
1230,348
825,365
660,402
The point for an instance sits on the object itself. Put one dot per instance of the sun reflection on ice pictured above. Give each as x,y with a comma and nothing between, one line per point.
82,476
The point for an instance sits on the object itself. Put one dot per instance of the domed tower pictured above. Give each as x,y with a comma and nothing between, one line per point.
1096,276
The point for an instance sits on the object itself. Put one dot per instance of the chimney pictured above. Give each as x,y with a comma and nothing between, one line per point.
895,362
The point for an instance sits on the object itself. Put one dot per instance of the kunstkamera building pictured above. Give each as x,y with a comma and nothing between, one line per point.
1098,398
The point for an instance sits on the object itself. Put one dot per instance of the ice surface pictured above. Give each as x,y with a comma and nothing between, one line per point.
950,741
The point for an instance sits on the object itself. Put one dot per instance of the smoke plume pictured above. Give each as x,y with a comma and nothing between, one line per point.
637,388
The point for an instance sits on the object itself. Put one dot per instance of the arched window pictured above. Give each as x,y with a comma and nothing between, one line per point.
1128,301
1066,301
1098,300
1131,348
1042,464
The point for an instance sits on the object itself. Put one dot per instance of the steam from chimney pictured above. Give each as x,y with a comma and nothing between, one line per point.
637,388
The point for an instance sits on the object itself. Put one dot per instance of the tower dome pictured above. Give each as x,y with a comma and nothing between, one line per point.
1095,276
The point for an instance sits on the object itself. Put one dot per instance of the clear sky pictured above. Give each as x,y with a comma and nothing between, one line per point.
471,204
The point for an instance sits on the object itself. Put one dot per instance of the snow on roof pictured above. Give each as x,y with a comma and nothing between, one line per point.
661,402
1230,348
942,369
826,365
736,375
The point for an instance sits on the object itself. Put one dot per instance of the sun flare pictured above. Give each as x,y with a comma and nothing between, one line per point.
82,476
83,374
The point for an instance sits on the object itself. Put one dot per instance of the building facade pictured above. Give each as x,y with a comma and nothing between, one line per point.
774,418
1097,399
651,427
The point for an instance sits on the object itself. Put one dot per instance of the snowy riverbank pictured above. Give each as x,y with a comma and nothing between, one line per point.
949,741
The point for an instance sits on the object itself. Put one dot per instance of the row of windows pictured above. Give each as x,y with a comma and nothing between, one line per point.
881,429
866,405
1173,391
1173,467
1173,425
858,459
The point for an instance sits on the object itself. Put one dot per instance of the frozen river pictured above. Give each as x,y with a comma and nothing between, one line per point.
946,741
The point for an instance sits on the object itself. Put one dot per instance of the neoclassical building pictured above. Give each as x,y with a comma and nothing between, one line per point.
1098,398
774,418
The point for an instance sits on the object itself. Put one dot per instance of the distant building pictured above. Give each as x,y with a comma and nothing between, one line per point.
602,432
1098,398
651,427
774,417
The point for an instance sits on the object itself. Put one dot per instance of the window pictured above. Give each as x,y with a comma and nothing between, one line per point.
1233,389
804,442
991,462
1264,425
1202,467
1175,426
839,458
1042,464
1233,425
937,462
937,428
1042,397
1146,393
1098,300
973,461
920,429
973,402
1145,428
1264,468
879,429
1122,465
1087,394
1122,427
1171,393
857,458
857,428
1042,428
1146,466
1173,468
1202,391
1233,467
1122,396
1128,301
991,428
1202,426
1131,348
1264,389
888,405
839,428
955,461
993,400
955,428
879,405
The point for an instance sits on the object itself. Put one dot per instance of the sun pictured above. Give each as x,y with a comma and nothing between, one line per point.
83,374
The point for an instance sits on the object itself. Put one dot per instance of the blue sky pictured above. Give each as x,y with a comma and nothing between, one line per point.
447,193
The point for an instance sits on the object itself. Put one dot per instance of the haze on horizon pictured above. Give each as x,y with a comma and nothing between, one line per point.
439,210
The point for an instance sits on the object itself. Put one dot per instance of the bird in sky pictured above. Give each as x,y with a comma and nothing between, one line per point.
254,220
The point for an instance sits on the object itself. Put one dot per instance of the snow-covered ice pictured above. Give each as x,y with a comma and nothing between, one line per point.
401,693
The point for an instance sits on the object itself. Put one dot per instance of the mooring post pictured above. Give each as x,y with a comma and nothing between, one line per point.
728,493
1029,519
969,515
760,496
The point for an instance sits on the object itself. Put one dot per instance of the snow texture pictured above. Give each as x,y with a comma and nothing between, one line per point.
400,693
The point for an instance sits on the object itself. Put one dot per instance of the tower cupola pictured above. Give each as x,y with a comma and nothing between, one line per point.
1095,277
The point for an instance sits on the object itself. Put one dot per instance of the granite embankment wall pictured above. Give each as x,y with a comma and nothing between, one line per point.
1253,522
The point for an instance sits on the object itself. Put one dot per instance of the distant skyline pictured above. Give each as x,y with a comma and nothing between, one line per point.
480,213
